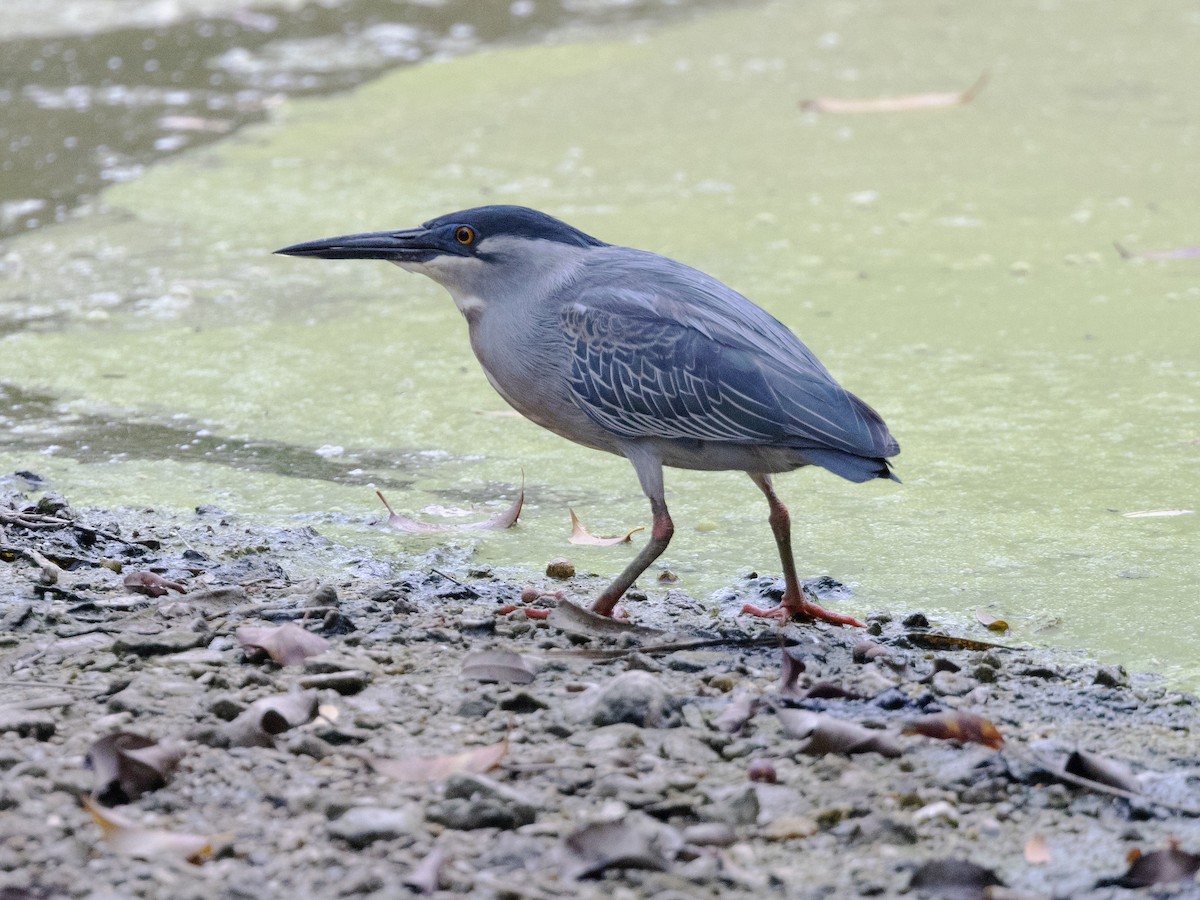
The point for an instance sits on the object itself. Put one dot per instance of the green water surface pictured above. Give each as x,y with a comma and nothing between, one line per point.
954,267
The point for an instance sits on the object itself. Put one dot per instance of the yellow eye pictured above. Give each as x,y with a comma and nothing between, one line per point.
464,235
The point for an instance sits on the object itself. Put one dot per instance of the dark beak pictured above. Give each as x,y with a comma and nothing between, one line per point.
411,245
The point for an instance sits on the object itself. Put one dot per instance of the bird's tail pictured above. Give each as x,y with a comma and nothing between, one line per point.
851,466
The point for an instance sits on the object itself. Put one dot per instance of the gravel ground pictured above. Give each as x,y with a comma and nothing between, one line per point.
422,740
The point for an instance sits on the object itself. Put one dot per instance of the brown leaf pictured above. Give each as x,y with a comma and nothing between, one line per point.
287,645
501,666
827,690
963,727
426,876
131,839
128,765
1093,767
896,104
151,584
258,724
1177,253
791,667
580,535
594,849
865,651
829,734
990,622
498,522
957,878
738,712
931,640
1160,867
1037,850
433,768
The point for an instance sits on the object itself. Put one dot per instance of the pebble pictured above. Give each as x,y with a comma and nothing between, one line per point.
350,682
637,698
361,826
476,801
27,722
175,640
561,568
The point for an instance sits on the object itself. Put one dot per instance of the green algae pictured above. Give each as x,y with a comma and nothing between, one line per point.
955,267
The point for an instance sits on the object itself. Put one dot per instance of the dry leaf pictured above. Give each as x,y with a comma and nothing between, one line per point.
1178,253
580,535
1160,867
594,849
151,584
501,666
827,690
1037,850
865,651
426,876
897,104
829,734
287,645
258,724
963,727
738,712
498,522
990,622
1101,770
433,768
128,765
1158,513
957,878
131,839
791,667
931,640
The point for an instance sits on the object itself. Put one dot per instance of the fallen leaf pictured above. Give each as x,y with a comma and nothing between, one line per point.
1101,770
498,522
580,535
574,619
963,727
990,622
791,667
1158,513
433,768
737,712
594,849
1178,253
128,765
954,878
151,584
501,666
131,839
1037,850
287,645
829,734
1160,867
865,651
426,876
930,640
897,104
267,717
827,690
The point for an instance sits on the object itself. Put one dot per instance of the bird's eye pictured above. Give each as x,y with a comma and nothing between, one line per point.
464,235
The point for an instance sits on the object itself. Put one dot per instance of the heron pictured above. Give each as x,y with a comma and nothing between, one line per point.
633,353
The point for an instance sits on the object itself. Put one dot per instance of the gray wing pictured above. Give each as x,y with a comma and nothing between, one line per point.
639,369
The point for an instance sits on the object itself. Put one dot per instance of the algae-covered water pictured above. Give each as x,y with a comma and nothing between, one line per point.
955,267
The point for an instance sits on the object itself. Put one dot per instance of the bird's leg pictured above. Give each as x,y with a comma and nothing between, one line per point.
794,603
649,469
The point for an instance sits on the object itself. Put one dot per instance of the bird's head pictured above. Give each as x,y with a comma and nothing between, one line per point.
474,253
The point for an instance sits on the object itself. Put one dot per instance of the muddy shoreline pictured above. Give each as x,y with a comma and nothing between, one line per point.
637,764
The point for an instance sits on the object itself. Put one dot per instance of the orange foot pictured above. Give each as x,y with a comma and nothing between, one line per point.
801,609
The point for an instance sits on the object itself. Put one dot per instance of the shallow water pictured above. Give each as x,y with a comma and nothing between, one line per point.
956,268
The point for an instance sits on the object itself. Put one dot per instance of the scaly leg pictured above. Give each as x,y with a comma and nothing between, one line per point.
795,603
649,470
